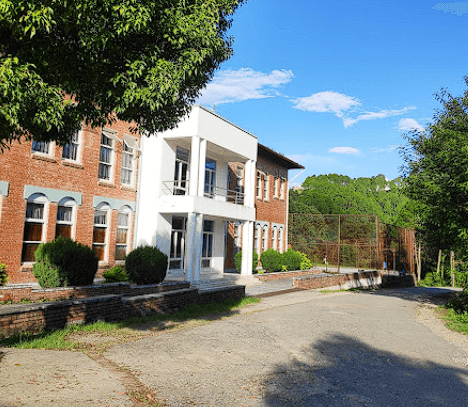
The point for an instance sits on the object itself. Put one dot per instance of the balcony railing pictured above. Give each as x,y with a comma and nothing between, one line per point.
182,188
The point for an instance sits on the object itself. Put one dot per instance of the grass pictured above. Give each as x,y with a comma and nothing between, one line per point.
105,334
457,321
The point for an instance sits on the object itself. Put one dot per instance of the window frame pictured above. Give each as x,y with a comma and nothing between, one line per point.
74,145
207,253
128,151
174,248
42,145
264,238
103,164
181,172
209,189
66,202
37,199
125,210
104,208
266,188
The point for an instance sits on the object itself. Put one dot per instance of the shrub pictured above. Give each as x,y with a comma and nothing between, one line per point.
116,274
3,274
146,265
291,259
306,264
238,261
271,260
460,302
64,262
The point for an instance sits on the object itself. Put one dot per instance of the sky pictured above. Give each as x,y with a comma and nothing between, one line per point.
335,84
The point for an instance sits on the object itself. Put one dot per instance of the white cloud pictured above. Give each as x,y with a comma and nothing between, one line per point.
458,8
409,124
328,101
236,86
348,122
388,149
344,150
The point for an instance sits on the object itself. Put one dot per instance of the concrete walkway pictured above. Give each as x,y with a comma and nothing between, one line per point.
306,348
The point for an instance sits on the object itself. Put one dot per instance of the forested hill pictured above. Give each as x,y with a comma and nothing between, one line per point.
339,194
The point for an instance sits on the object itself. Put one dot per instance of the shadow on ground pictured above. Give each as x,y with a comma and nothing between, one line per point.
346,372
428,295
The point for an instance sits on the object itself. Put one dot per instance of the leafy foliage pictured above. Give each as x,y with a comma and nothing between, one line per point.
3,274
271,260
64,262
116,274
291,259
141,61
339,194
238,261
436,178
146,265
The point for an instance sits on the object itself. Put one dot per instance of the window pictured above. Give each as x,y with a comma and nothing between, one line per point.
105,158
40,147
181,171
282,187
266,189
33,233
274,240
237,238
264,238
239,184
259,185
126,175
280,240
123,227
207,248
101,215
257,238
64,224
210,177
276,184
70,150
176,256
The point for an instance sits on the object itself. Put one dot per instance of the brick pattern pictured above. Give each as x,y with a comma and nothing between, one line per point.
37,317
333,280
286,274
20,167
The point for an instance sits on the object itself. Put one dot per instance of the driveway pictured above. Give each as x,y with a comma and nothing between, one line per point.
369,348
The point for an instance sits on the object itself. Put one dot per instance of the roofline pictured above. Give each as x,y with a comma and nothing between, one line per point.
290,164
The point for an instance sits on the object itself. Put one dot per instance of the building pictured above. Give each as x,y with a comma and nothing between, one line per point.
199,192
85,190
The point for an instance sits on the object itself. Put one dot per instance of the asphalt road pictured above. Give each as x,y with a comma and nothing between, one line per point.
370,348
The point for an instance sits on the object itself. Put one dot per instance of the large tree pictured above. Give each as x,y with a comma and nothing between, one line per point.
144,61
436,175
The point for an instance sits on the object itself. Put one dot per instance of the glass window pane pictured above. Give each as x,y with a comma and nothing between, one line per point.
32,232
34,211
122,219
121,236
99,235
64,214
120,252
28,251
100,217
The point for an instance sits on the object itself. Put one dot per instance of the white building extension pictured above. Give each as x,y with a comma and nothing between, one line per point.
184,201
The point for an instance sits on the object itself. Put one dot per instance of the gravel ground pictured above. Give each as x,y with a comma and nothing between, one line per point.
370,348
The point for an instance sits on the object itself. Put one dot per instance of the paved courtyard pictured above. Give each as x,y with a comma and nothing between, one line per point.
306,348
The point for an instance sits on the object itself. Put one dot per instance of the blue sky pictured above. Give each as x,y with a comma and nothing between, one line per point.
335,84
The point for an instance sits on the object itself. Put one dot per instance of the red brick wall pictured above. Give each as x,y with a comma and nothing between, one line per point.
20,167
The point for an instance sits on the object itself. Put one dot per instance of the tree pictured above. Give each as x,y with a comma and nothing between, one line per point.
436,175
143,61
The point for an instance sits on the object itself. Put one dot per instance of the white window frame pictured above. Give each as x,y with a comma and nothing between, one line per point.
282,188
210,178
274,241
124,213
207,243
266,188
175,233
257,235
239,184
128,153
280,239
103,209
237,238
71,151
276,193
259,185
68,203
106,164
181,171
41,147
40,200
264,238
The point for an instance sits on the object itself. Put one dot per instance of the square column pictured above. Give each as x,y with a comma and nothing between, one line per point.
249,187
194,165
247,248
193,246
201,168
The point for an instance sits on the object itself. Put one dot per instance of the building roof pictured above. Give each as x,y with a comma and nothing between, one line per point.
278,158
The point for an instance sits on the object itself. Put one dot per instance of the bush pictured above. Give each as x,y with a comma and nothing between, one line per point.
238,261
271,260
291,259
146,265
116,274
3,274
306,264
64,262
460,302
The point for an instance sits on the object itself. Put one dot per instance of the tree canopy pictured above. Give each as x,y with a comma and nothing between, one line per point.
143,61
436,175
340,194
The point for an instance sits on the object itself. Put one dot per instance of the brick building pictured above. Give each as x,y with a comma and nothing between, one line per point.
85,190
199,192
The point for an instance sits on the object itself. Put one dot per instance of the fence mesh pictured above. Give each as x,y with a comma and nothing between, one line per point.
359,241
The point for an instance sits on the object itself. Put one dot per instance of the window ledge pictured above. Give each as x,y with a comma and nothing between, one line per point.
27,267
107,184
43,157
73,164
128,188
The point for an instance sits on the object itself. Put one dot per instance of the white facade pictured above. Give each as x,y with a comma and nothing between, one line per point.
184,199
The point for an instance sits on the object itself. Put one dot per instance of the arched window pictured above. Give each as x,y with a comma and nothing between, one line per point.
280,240
34,230
101,226
123,233
65,217
274,241
264,238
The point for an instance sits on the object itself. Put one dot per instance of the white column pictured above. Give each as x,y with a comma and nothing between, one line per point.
198,247
247,248
190,247
194,165
249,187
201,168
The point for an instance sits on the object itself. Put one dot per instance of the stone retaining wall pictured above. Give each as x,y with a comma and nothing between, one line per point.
340,281
285,274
